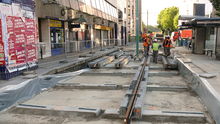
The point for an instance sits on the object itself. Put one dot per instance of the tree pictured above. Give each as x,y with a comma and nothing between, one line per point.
216,5
168,19
175,21
150,28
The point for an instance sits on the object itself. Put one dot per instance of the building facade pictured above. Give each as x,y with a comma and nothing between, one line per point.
131,18
201,18
191,9
122,22
75,25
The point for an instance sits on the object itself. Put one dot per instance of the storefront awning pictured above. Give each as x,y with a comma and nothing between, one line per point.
202,22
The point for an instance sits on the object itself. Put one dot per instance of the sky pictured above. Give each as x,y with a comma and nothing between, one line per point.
154,7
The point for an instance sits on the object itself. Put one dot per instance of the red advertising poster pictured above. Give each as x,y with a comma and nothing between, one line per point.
10,24
19,30
19,25
11,41
2,55
22,47
21,57
30,25
31,53
20,40
30,40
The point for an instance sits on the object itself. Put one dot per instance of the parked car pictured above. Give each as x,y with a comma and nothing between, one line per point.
159,37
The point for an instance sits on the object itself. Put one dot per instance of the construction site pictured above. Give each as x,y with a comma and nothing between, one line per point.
109,62
112,87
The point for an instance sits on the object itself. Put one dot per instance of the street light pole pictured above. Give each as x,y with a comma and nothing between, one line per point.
147,22
137,29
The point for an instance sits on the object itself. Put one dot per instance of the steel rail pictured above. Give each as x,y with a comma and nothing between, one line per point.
133,99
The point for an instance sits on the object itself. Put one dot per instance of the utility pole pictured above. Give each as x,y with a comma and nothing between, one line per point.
137,28
147,22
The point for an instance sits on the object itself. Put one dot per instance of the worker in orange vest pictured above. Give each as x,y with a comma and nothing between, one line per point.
167,44
147,43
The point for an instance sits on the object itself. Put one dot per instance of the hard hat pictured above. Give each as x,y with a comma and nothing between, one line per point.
155,40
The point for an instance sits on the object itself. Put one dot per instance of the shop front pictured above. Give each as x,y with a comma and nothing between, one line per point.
102,35
80,37
57,37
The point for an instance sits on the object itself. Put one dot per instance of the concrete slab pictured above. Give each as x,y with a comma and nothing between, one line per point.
163,73
117,80
133,64
204,88
112,114
110,72
103,99
157,122
167,88
174,116
167,81
9,118
175,101
93,121
208,75
55,110
90,86
156,67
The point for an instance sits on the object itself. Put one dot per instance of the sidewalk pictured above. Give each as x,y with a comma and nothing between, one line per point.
51,63
203,64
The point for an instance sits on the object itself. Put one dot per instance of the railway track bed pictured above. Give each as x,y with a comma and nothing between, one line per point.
135,94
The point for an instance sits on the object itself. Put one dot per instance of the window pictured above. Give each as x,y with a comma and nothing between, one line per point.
212,30
98,5
102,7
88,2
93,3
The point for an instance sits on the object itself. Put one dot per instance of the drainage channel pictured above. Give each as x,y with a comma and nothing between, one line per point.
135,94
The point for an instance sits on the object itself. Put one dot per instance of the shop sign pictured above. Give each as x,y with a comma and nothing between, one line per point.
55,23
100,27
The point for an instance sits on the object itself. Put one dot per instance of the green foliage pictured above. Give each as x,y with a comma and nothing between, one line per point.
168,19
216,5
150,28
175,21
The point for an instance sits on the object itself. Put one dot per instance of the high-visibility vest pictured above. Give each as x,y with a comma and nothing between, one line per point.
147,42
167,43
155,46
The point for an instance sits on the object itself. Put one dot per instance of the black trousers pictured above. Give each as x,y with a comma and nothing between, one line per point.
155,56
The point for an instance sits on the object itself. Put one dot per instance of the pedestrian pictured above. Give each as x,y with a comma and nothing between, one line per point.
167,44
147,44
155,47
